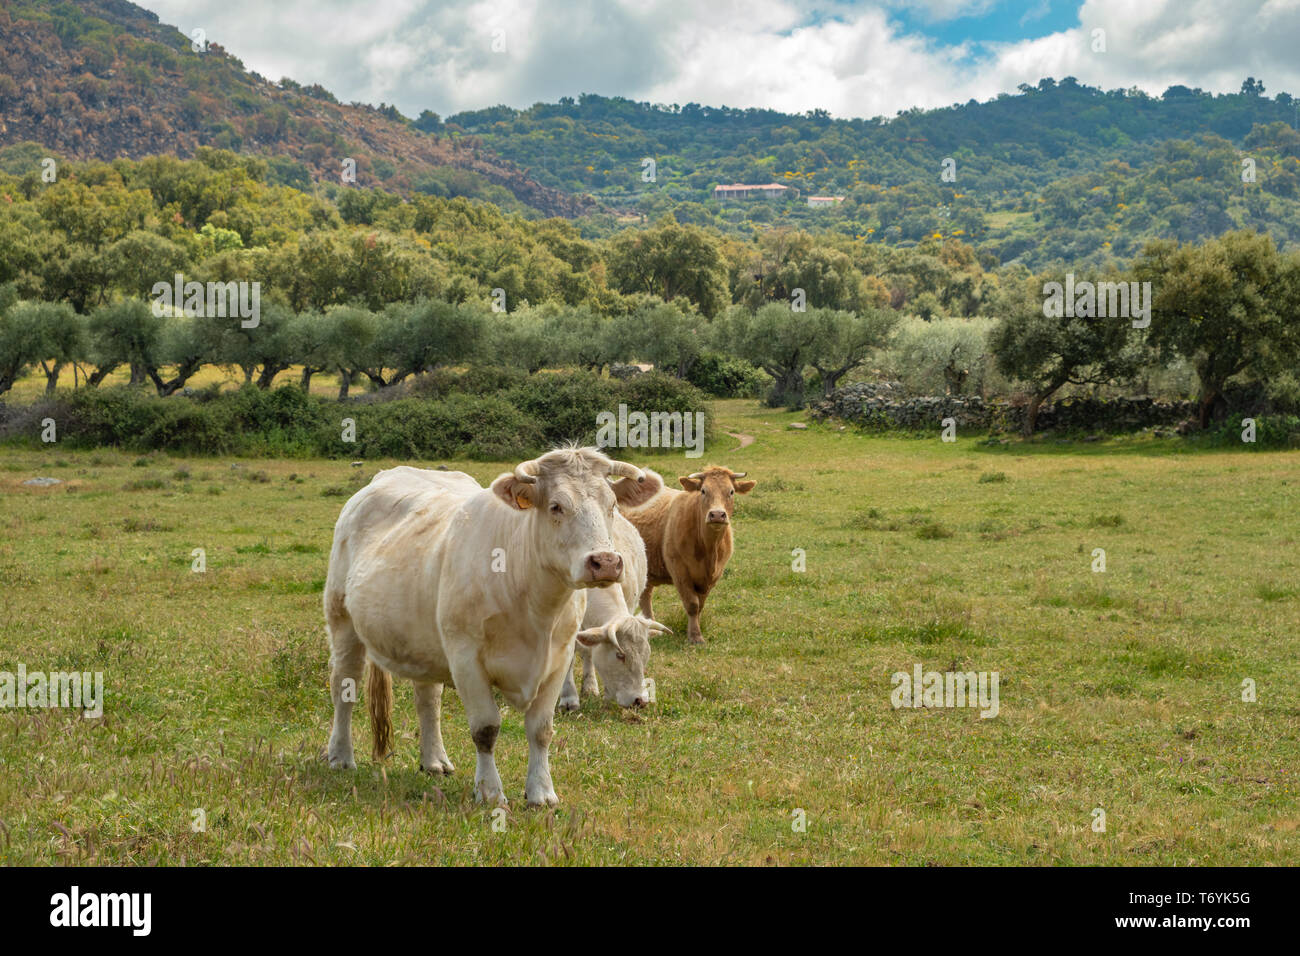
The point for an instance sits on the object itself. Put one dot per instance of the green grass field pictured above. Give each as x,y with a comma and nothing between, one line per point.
1119,690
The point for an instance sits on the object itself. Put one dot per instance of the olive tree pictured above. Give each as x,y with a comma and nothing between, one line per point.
1047,352
1227,306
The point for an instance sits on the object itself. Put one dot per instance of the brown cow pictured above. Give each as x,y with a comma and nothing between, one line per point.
687,537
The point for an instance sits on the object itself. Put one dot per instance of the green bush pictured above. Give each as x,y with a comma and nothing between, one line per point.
462,426
476,380
188,427
106,416
479,414
1271,431
726,377
565,405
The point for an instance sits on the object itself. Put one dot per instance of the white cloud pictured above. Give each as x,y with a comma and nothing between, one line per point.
794,55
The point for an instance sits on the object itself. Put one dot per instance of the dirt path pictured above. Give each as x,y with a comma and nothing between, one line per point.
745,440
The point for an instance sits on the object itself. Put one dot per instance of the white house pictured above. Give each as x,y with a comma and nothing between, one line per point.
746,191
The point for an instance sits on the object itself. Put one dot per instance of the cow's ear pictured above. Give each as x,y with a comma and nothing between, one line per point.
629,492
691,484
591,636
745,487
517,494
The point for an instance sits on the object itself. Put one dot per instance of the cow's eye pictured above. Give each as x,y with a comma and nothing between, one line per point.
621,656
703,492
733,492
556,510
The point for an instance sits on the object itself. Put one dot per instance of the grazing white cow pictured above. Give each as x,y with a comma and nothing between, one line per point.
621,651
439,580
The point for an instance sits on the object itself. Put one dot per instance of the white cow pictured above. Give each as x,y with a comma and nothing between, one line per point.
439,580
621,651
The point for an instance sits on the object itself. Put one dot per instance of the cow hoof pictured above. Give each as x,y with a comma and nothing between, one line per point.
695,639
543,800
439,766
489,798
568,703
343,763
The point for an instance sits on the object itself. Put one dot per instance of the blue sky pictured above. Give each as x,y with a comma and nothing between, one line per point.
850,58
1002,22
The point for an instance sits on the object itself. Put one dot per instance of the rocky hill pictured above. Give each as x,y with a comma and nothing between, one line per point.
101,79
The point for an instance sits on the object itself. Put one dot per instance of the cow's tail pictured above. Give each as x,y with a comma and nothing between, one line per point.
379,698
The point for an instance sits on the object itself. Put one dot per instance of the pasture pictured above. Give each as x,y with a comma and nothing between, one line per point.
1119,690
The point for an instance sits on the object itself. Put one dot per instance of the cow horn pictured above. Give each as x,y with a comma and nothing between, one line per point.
626,470
698,474
655,626
522,473
739,474
611,634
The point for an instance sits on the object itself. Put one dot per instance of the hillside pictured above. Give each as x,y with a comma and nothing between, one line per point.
101,79
1061,172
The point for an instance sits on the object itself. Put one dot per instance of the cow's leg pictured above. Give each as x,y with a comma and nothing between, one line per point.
590,685
647,601
693,601
539,721
428,705
475,690
569,692
347,661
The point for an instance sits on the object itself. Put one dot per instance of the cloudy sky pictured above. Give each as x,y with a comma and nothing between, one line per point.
853,59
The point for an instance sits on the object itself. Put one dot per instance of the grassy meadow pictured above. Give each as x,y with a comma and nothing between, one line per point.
1119,690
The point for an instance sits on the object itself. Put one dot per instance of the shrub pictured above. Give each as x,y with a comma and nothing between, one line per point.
1271,431
564,405
462,426
476,380
106,416
479,414
186,427
726,377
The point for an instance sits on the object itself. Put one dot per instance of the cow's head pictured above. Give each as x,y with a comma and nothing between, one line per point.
715,491
620,649
569,494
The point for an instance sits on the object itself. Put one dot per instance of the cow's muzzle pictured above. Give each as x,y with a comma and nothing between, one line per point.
604,566
717,516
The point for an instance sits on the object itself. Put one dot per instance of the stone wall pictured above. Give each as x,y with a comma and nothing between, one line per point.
886,405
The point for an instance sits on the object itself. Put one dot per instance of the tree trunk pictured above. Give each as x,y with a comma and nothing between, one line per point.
52,377
1031,414
345,380
183,374
1211,401
788,390
101,373
307,373
139,374
1036,402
